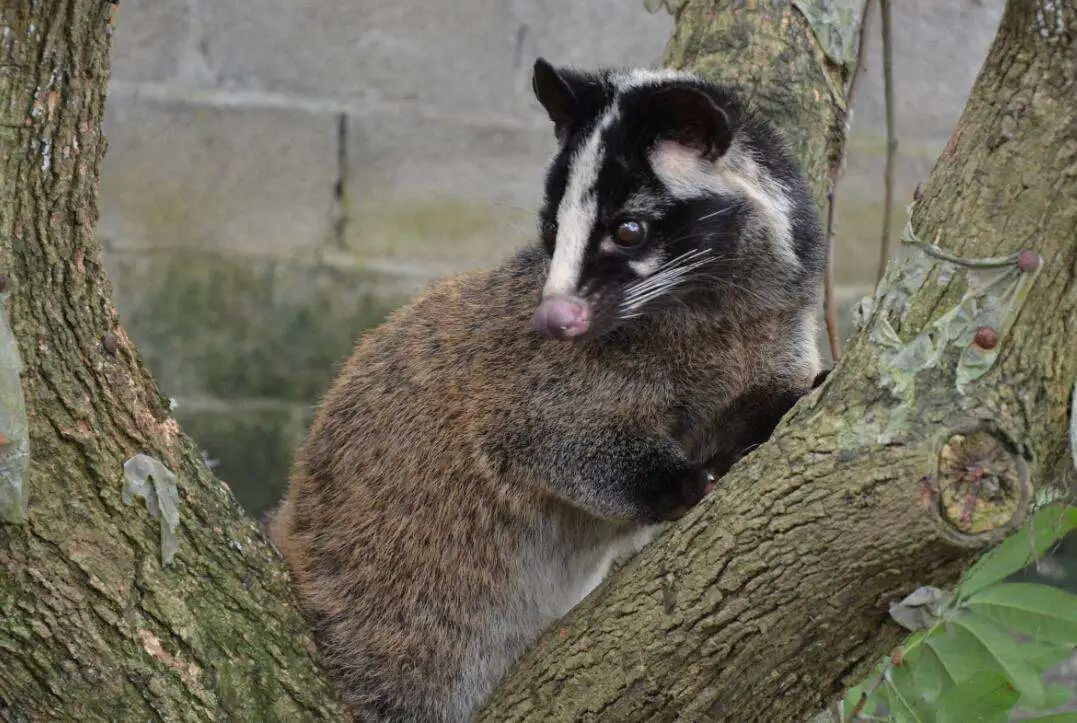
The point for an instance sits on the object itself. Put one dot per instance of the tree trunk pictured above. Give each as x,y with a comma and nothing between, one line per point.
91,623
773,595
771,607
793,70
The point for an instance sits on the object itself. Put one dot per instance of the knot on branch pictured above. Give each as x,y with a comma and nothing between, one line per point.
983,486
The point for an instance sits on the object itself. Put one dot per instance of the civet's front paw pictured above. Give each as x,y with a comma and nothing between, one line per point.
685,493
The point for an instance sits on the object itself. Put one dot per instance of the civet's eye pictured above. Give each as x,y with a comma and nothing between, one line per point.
630,233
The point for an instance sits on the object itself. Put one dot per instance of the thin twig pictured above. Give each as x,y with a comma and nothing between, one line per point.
830,309
994,262
891,136
830,306
865,695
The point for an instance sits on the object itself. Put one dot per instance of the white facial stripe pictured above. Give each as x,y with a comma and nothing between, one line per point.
638,77
686,175
578,212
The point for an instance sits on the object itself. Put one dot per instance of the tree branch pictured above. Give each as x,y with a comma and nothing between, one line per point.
773,594
837,170
891,136
92,625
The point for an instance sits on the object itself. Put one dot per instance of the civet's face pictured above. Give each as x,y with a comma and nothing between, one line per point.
653,199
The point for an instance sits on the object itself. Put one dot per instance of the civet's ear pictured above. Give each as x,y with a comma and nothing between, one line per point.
690,117
555,94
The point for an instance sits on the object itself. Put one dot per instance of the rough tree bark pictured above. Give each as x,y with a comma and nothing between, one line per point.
793,75
796,63
768,607
91,623
772,595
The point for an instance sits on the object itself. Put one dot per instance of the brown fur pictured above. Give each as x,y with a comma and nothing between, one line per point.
438,475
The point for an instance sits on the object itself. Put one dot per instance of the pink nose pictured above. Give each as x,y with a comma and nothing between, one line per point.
563,317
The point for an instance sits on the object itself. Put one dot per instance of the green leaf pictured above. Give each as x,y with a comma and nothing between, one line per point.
985,697
906,703
1043,612
1047,655
960,654
1057,696
1055,718
852,697
1044,655
1046,526
1006,656
928,673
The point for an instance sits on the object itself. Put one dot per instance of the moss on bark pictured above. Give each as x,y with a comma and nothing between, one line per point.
767,598
770,51
773,595
91,624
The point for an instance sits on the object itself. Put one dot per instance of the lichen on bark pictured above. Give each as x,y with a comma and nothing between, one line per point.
92,626
146,477
771,54
774,593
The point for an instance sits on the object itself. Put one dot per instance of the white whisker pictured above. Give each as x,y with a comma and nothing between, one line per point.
664,282
664,275
716,213
661,283
666,268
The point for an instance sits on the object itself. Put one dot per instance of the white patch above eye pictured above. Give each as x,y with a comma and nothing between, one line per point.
686,175
578,212
681,169
645,204
646,266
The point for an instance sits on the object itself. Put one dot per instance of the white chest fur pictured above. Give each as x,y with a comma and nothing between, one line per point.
592,566
560,563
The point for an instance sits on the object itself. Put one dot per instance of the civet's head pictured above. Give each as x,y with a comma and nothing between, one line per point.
666,193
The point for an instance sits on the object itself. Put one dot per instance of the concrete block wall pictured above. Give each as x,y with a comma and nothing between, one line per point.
938,48
282,173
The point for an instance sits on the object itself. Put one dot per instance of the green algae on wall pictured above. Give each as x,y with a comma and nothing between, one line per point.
249,444
246,347
446,233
